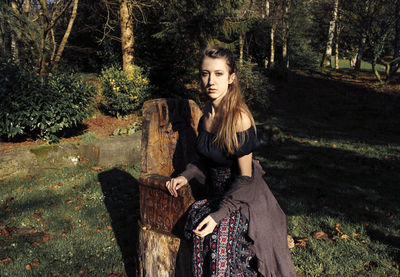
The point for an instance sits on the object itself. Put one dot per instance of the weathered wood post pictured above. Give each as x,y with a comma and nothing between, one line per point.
168,143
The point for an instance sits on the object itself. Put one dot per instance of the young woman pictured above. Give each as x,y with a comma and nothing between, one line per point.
239,229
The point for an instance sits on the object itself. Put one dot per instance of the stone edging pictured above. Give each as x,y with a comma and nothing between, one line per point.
107,152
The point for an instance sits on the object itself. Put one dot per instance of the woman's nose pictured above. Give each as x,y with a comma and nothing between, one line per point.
211,79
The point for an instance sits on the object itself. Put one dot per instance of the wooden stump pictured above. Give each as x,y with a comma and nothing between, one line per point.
168,143
163,255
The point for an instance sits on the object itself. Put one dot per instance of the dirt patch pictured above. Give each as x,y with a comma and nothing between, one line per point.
102,126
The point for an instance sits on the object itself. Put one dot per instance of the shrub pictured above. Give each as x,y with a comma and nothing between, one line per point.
36,106
255,87
124,93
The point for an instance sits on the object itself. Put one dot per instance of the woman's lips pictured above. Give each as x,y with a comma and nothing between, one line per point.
210,90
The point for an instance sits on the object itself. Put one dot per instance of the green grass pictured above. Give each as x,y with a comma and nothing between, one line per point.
365,66
72,220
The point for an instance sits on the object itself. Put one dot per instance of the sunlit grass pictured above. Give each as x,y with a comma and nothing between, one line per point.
70,220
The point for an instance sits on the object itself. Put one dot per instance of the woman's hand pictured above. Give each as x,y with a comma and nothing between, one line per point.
176,183
205,227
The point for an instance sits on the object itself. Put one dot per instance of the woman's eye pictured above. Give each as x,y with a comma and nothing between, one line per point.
219,74
204,74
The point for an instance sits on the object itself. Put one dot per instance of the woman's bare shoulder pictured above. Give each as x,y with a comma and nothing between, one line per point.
244,122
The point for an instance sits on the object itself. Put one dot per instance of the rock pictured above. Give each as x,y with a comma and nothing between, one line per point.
119,150
109,152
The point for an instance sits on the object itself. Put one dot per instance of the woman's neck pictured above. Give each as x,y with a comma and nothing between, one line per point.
214,107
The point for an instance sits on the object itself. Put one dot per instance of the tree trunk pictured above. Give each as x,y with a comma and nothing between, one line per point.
378,76
66,34
241,45
14,38
27,7
326,59
266,11
127,38
337,47
285,56
272,47
360,53
266,16
53,39
396,65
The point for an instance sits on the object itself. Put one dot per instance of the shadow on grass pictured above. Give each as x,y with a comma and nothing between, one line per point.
118,188
327,182
337,161
319,107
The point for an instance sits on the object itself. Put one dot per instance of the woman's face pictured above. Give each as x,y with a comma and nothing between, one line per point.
215,77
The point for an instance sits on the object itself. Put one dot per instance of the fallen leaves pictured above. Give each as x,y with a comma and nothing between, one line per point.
301,242
96,168
290,241
36,215
35,262
45,238
5,232
320,235
5,260
78,207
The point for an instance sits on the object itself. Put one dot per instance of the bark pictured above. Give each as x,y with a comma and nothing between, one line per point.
241,45
27,7
53,39
337,47
326,59
266,10
266,15
272,47
14,37
360,53
66,34
396,65
378,76
127,38
285,55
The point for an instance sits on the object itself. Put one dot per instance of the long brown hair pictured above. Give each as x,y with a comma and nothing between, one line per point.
231,106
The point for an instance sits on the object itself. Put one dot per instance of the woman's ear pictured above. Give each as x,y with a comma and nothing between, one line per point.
231,78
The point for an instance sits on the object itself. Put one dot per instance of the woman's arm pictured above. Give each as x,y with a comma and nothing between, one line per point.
245,165
244,162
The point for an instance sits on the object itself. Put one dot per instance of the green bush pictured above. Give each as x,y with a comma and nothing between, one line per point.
255,87
36,106
124,93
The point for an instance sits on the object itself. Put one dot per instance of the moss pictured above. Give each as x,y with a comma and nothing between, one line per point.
41,152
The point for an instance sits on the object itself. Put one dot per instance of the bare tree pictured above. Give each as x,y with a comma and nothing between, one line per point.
66,35
396,56
129,12
127,37
285,34
326,58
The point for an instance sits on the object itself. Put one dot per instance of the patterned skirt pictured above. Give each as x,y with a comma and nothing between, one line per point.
225,252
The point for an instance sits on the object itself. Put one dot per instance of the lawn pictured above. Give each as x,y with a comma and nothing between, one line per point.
336,174
338,171
70,222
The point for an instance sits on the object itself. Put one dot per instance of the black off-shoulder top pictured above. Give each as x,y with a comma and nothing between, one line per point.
215,157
